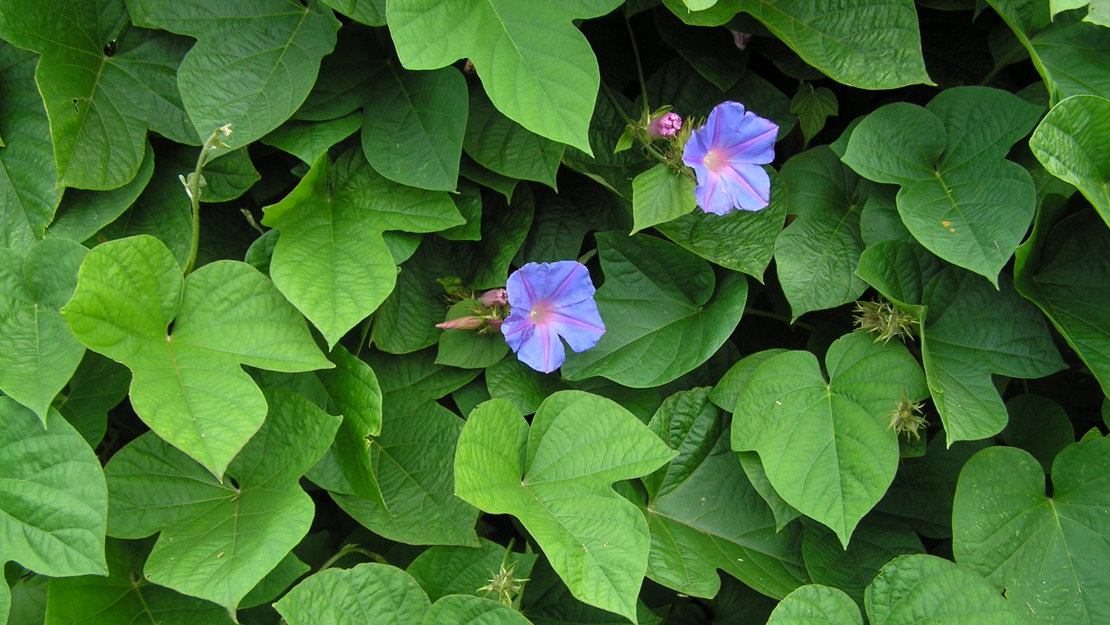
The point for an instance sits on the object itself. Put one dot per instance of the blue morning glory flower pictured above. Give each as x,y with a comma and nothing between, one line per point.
726,154
551,300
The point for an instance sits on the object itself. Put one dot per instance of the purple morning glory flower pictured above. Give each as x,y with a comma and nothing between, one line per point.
726,154
551,300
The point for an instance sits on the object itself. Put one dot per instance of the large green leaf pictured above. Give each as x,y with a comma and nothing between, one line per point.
665,312
923,589
38,353
413,126
1065,271
972,330
1073,143
81,213
1050,557
28,190
816,605
370,12
353,392
507,148
872,44
252,82
219,538
826,446
660,195
556,477
874,543
125,596
103,82
704,514
960,198
817,253
307,140
53,502
188,385
534,64
331,260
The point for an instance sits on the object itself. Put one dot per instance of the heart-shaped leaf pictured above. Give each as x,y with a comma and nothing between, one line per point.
923,589
814,604
188,385
826,446
1073,143
556,477
660,195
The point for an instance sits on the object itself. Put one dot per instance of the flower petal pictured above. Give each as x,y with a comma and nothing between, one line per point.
747,187
579,324
537,346
753,141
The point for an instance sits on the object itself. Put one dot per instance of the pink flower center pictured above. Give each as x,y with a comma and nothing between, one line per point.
715,160
538,314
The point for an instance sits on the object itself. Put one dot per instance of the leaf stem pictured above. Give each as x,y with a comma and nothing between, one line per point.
639,65
347,550
779,317
193,183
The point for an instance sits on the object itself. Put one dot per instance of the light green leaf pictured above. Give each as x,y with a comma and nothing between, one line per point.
972,330
813,107
704,514
444,570
660,195
28,190
871,44
82,213
1073,143
741,240
363,594
1050,558
826,446
369,12
535,65
188,385
1065,271
665,312
721,12
816,605
899,270
331,260
227,78
413,126
959,197
507,148
218,539
549,602
53,502
817,254
307,140
412,460
353,390
99,104
923,589
125,596
472,611
556,478
38,353
874,543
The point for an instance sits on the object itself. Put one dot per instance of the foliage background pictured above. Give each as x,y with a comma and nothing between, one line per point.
241,411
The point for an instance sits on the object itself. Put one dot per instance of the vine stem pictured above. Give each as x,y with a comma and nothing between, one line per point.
349,549
783,318
639,65
193,183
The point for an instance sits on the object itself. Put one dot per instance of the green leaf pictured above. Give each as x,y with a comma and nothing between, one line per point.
218,539
405,322
363,594
125,596
472,611
28,190
959,197
82,213
227,78
468,199
923,589
38,353
871,44
412,460
702,49
660,195
308,140
721,12
412,380
535,65
826,446
1038,425
813,107
817,254
741,240
556,478
470,349
610,169
874,544
899,270
507,148
521,385
444,570
816,605
53,502
331,261
188,385
369,12
549,602
98,385
1065,271
413,126
1050,558
1072,143
704,514
682,313
353,390
972,330
100,105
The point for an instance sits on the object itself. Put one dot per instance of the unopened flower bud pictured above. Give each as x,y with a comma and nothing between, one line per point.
469,322
665,126
741,39
494,297
495,323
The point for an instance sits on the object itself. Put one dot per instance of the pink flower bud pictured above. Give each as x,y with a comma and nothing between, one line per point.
741,39
665,126
496,323
462,323
494,297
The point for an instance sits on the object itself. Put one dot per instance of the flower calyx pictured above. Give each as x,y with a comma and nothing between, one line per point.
884,320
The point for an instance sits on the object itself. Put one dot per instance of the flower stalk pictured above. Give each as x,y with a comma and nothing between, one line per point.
193,184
